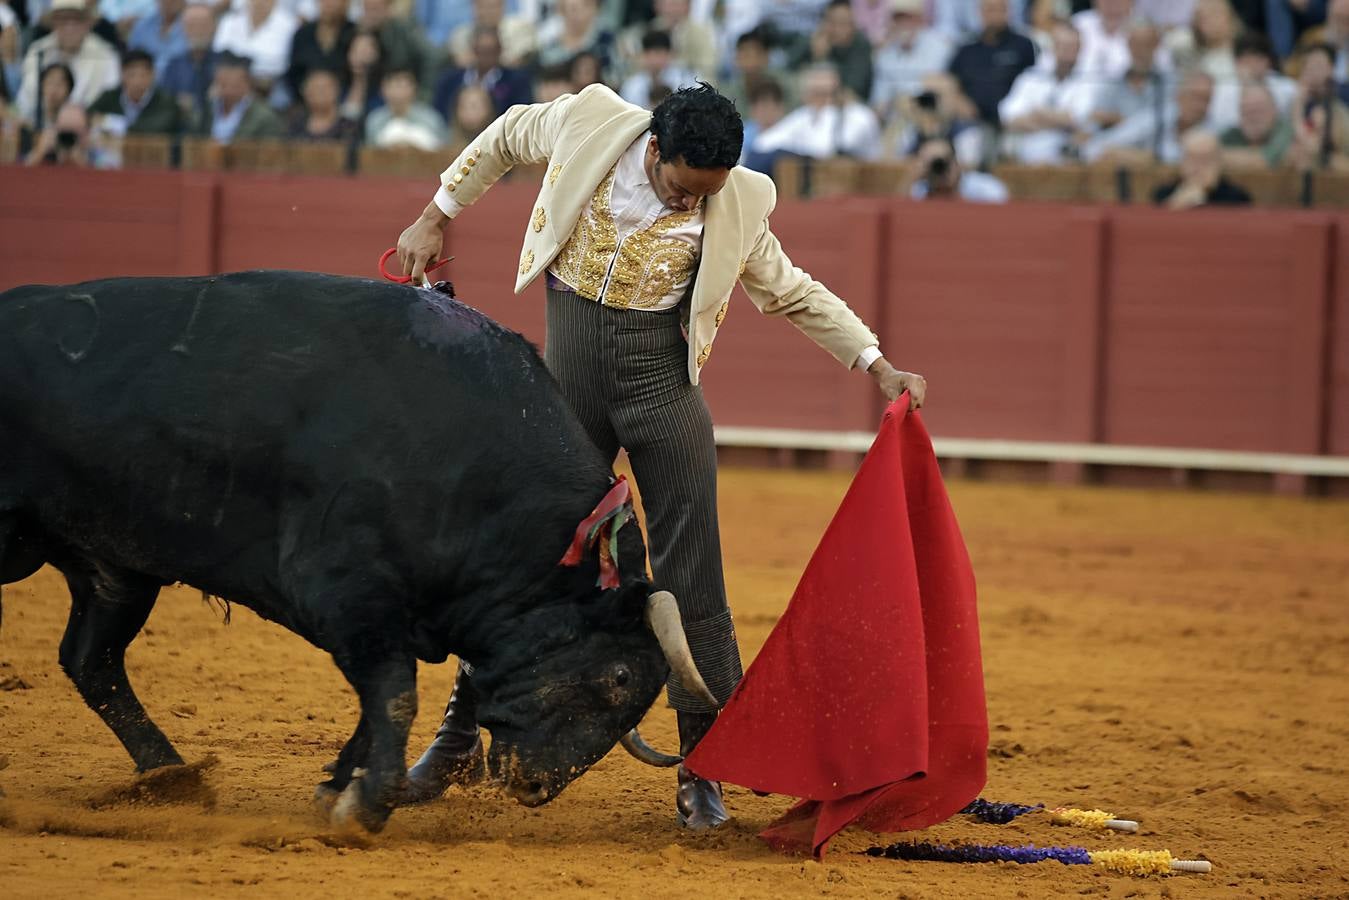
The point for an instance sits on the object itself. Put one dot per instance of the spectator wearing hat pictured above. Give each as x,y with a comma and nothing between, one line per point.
160,33
234,113
911,52
92,61
138,106
187,77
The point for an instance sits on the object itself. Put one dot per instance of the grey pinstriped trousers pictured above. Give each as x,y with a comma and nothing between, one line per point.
624,373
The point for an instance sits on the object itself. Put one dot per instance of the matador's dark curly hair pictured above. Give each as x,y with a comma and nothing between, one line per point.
700,126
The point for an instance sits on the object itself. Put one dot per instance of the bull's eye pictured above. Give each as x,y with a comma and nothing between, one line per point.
622,676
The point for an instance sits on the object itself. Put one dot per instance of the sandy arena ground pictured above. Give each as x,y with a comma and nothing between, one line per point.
1178,658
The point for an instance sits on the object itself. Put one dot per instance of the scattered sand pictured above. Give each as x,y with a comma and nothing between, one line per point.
1182,659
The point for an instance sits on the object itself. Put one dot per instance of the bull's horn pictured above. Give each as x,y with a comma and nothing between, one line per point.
644,752
662,614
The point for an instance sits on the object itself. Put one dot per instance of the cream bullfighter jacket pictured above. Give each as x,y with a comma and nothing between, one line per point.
580,137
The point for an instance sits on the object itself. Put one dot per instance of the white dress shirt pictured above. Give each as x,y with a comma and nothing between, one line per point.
267,46
900,70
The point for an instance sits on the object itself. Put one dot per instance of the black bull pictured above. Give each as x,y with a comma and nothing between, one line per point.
383,471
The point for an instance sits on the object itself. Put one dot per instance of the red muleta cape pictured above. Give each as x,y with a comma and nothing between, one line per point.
868,698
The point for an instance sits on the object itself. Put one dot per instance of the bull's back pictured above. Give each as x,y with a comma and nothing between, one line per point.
184,416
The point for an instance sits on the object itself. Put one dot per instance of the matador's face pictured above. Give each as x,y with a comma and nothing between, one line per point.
679,186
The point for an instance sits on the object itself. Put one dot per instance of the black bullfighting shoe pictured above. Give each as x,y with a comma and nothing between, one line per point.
697,799
456,754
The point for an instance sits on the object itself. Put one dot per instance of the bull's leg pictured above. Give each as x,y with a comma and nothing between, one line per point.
108,609
352,755
385,679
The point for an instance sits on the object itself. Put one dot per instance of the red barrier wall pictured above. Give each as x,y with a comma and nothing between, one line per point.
1224,330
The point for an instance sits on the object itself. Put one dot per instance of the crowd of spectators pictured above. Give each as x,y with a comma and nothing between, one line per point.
953,85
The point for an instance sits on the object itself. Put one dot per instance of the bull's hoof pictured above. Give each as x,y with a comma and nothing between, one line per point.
351,816
325,799
432,775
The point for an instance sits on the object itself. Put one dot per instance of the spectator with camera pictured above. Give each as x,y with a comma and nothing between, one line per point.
939,175
138,106
826,125
1047,110
910,53
93,62
65,141
1201,182
234,111
986,67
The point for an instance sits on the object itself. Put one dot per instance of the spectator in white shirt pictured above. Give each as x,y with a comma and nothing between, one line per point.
1105,38
93,61
657,67
938,175
1049,105
826,124
262,32
911,52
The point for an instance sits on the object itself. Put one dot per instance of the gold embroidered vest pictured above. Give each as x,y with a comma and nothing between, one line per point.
646,266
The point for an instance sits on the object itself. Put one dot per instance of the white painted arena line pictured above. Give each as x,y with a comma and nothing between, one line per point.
1048,451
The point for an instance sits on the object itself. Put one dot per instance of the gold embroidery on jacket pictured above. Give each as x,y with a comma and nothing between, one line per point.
648,266
583,260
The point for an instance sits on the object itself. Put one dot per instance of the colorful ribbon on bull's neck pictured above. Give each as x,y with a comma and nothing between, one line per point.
601,528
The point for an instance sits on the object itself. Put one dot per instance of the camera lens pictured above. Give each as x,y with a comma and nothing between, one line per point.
66,139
